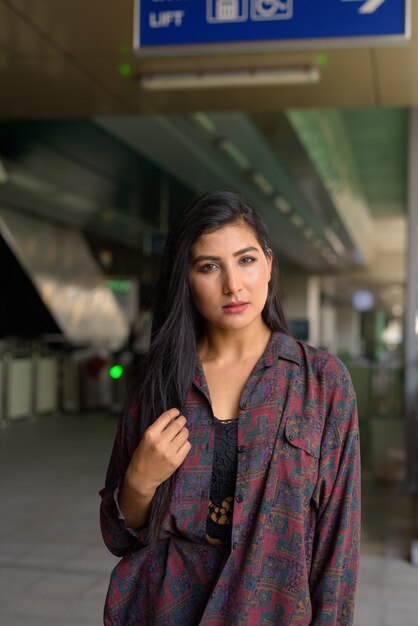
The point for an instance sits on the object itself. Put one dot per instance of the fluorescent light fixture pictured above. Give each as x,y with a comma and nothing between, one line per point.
286,75
334,241
282,204
234,153
262,183
297,220
204,122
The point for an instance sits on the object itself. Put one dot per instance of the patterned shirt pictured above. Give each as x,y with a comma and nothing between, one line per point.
293,558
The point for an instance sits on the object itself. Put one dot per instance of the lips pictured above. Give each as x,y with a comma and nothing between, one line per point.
234,304
235,307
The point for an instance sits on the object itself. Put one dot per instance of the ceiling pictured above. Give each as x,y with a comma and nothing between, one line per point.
336,151
63,60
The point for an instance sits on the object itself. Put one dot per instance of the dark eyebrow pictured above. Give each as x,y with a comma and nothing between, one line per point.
218,258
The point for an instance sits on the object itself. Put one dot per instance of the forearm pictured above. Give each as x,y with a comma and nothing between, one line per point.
135,503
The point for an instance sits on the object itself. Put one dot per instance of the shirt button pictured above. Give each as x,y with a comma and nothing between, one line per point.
243,405
239,498
241,448
291,436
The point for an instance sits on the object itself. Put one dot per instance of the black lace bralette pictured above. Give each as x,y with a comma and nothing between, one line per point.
224,470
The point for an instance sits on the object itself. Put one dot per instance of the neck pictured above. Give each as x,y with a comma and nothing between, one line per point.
227,346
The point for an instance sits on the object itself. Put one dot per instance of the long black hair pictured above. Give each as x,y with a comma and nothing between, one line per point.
165,374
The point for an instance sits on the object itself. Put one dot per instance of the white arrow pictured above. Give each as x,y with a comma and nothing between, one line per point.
370,6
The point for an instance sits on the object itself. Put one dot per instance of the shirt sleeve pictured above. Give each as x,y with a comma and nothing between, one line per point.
335,558
117,536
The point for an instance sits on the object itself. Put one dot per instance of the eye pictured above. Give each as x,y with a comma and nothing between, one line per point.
208,267
247,259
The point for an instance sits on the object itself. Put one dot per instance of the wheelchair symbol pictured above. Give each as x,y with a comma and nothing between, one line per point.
271,9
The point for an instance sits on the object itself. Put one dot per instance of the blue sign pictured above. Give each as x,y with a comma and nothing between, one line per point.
174,23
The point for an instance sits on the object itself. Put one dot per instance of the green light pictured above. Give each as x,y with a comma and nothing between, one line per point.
322,58
116,372
125,69
119,285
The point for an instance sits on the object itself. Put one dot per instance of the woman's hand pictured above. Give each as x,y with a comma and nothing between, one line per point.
162,449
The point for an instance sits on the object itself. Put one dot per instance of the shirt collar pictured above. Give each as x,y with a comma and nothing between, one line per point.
280,346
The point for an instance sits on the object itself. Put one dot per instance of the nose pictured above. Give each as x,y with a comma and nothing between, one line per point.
232,281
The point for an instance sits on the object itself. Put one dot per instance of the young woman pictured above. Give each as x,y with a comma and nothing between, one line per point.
233,490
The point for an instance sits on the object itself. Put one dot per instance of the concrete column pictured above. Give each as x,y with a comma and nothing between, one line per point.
314,309
348,330
301,300
329,327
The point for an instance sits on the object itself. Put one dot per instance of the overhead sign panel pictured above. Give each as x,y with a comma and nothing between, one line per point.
283,23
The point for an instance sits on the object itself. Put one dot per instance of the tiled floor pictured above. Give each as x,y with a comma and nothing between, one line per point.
54,568
388,583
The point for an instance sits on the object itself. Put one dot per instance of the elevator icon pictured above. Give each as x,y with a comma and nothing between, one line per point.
226,11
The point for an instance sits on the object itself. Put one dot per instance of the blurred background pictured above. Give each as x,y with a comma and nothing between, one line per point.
112,117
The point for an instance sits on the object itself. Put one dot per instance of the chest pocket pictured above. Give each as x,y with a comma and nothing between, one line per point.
299,464
304,432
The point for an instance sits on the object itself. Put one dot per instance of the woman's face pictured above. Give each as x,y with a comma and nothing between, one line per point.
229,275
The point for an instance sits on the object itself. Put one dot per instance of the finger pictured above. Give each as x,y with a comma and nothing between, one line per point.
164,419
183,452
179,439
173,428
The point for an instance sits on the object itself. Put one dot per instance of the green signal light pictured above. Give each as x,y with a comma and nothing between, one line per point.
322,58
119,286
125,69
116,372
